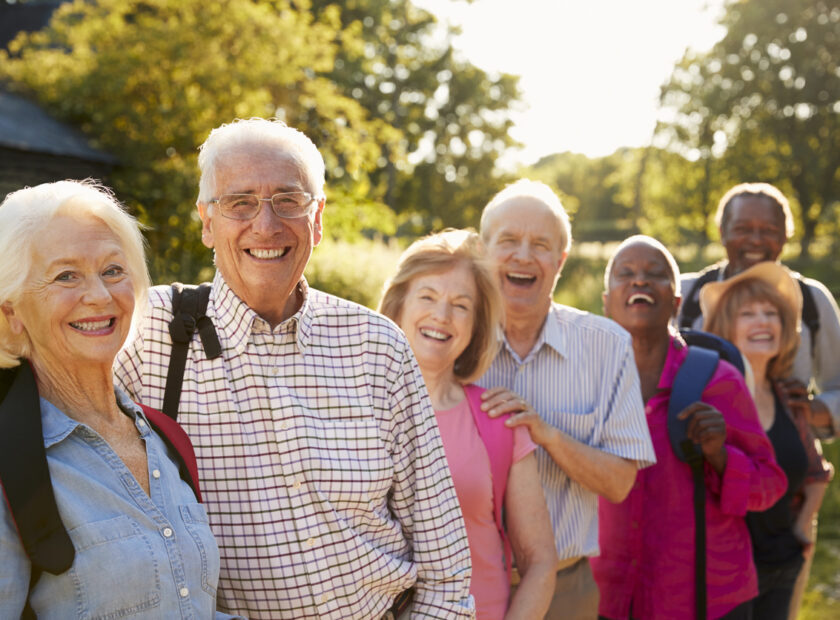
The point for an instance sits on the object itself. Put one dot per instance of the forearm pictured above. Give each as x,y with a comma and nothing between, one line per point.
605,474
533,595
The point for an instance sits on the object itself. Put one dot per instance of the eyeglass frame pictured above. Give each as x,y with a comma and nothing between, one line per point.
270,199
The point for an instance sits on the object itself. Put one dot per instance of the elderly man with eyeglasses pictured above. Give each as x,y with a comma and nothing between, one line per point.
323,471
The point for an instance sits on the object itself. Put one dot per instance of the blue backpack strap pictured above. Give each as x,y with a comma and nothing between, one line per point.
691,379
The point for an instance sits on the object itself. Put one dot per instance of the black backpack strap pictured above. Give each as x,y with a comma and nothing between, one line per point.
189,305
810,316
690,306
690,381
26,476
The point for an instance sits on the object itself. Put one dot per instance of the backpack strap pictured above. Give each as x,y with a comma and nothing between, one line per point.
690,381
810,315
189,306
690,307
176,438
26,477
498,440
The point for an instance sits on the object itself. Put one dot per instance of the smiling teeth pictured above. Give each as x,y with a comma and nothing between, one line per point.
521,276
91,326
433,333
267,253
640,297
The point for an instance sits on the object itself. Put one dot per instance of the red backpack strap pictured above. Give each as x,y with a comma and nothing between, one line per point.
177,439
498,440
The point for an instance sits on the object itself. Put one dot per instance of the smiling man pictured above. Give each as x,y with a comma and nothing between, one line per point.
755,222
576,372
322,467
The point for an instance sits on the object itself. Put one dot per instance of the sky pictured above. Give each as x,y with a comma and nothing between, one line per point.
590,69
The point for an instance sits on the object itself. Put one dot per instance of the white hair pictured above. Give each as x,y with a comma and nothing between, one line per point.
526,188
255,133
26,212
656,245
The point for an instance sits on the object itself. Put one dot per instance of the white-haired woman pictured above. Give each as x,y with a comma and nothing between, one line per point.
115,529
445,297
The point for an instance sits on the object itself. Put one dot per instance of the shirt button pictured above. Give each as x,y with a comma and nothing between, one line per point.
167,532
284,426
310,542
324,598
184,592
155,473
275,370
141,422
296,484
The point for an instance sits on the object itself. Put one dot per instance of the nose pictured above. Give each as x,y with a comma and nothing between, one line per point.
266,222
522,251
96,291
442,311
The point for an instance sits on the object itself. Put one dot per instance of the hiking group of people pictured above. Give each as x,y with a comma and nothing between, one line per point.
473,449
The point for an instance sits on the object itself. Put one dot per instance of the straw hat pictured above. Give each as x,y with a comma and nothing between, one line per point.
774,274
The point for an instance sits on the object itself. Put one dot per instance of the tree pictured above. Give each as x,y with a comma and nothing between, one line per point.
148,79
764,104
452,116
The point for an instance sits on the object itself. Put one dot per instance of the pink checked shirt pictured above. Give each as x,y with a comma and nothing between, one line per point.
646,567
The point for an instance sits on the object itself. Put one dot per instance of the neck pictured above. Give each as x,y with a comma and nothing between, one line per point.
523,329
84,392
444,390
650,349
275,314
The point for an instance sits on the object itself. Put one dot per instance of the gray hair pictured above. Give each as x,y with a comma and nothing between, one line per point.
245,134
756,190
26,212
656,245
526,188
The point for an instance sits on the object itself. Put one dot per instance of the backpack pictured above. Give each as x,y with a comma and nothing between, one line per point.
189,307
25,475
690,309
705,351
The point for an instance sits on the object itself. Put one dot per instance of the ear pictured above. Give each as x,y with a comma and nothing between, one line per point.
15,324
677,302
318,222
206,224
561,262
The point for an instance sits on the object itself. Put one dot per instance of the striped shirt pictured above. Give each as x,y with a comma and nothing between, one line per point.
320,460
580,377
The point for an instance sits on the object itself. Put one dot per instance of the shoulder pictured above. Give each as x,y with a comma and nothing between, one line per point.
336,316
581,324
819,291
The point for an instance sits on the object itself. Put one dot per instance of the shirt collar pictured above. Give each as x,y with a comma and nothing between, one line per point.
237,321
551,334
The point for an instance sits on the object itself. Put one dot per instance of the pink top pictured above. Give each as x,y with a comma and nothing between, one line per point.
646,567
470,467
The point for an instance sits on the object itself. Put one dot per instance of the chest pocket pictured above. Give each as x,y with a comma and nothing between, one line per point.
579,426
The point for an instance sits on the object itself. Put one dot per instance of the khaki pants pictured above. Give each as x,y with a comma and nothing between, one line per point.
576,594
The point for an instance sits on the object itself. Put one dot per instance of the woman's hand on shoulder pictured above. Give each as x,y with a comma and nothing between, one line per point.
499,401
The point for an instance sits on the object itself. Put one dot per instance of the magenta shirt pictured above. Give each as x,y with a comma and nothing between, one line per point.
646,566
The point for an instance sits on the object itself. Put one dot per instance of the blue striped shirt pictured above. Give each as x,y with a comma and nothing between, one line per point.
580,377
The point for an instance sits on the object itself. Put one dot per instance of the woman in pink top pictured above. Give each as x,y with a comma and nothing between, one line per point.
446,299
646,567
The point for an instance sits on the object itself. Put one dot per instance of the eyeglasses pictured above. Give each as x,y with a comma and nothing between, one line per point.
247,206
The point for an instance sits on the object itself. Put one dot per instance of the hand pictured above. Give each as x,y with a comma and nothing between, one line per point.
795,393
499,401
804,540
707,427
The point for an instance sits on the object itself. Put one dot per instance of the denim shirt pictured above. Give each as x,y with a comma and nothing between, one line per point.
139,555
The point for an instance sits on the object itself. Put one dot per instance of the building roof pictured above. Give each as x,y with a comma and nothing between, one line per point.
26,127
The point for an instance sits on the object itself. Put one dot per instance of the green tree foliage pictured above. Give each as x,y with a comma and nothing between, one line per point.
764,104
452,116
148,79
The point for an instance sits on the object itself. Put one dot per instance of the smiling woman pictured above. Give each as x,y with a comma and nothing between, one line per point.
108,486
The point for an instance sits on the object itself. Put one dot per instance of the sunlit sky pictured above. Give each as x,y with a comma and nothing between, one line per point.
590,70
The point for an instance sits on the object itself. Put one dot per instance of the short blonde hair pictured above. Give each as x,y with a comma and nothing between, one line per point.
526,188
722,320
26,212
441,252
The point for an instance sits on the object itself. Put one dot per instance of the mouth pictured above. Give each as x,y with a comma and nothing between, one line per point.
762,337
754,257
435,334
267,254
640,298
520,279
94,327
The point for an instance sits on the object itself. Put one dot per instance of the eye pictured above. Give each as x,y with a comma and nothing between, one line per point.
113,271
65,276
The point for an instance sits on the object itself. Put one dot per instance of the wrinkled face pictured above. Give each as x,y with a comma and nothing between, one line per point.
641,289
757,330
524,242
79,299
438,315
262,259
754,232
